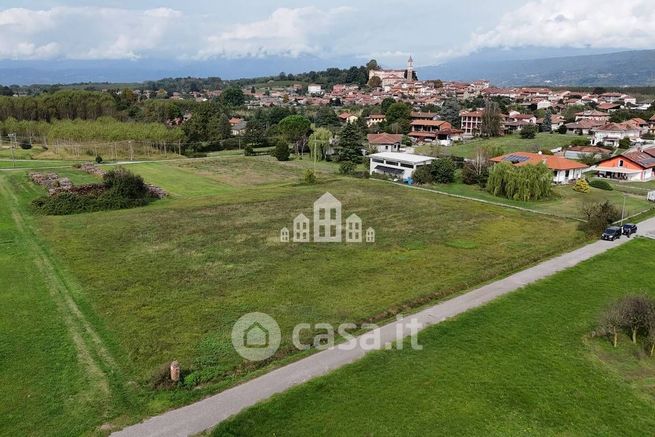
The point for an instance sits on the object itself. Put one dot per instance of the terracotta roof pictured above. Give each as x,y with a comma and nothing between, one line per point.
423,114
384,138
608,106
345,115
552,162
584,124
376,116
428,123
616,127
471,114
642,159
592,114
423,134
587,149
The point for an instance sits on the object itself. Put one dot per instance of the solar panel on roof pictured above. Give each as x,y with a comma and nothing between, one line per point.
516,158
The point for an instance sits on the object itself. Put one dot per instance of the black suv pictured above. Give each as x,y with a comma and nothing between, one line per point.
611,233
629,229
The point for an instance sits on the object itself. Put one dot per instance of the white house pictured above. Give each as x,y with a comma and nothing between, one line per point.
564,170
611,133
315,90
400,165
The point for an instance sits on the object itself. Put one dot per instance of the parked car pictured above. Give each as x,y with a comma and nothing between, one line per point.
611,233
629,229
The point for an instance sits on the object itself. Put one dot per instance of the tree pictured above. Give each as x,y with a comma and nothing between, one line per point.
547,124
611,321
625,143
529,132
374,82
233,96
423,175
347,167
372,65
350,144
224,127
397,118
598,216
491,120
450,112
255,133
562,130
295,129
319,142
637,313
581,186
386,103
326,117
443,170
281,151
476,170
527,182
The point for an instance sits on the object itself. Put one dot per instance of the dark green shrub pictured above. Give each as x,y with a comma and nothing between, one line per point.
25,145
125,184
281,151
423,175
601,184
347,167
98,159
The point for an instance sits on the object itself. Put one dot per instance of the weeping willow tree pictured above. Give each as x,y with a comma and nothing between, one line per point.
527,182
319,143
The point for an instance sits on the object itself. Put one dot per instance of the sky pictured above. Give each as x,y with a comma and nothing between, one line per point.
432,31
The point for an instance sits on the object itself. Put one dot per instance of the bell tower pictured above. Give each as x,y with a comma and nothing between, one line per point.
410,69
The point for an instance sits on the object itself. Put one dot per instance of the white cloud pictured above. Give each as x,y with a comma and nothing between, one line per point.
566,23
82,32
285,32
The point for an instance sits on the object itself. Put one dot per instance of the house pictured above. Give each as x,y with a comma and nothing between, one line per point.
239,128
315,90
582,127
417,115
609,107
399,165
651,122
441,131
629,166
611,133
642,124
471,122
385,142
578,152
592,115
515,121
564,170
374,119
347,117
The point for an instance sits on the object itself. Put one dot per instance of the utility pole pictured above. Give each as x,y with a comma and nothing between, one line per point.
623,210
12,145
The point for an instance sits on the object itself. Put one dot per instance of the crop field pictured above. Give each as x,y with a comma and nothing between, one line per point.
166,282
525,364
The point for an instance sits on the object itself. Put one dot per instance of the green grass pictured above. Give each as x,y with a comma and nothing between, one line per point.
167,281
565,202
509,143
522,365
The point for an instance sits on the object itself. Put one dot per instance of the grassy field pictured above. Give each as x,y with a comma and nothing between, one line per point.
522,365
167,281
565,202
508,143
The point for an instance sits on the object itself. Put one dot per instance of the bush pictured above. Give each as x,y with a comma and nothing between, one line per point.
248,150
25,145
124,183
580,142
598,216
443,170
309,177
423,175
475,174
98,159
562,129
281,151
625,143
529,132
582,186
601,184
347,167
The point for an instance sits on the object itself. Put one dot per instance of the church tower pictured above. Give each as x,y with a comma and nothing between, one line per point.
410,69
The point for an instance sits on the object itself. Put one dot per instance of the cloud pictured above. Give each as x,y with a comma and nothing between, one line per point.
288,32
566,23
83,32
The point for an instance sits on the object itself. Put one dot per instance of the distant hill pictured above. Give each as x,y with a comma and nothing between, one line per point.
627,68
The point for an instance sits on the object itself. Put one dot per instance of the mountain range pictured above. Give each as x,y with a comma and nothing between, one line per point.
502,68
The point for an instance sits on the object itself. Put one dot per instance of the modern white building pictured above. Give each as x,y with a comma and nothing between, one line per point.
397,164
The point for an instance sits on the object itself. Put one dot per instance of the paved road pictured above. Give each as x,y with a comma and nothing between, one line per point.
207,413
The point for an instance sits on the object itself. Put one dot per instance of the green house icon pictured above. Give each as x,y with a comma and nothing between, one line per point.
256,336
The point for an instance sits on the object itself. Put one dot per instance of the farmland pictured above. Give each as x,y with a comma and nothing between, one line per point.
523,365
167,281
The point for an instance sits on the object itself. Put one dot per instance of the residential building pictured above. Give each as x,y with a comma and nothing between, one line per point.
611,133
471,122
347,117
592,115
315,90
374,119
578,152
385,142
564,170
630,166
399,165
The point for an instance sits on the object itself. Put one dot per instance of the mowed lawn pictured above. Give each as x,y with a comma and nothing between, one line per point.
167,282
523,365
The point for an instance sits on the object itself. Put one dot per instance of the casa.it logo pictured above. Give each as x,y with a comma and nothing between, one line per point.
256,336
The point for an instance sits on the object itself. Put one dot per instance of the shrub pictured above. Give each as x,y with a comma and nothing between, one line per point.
309,177
25,145
124,183
347,167
248,150
443,170
529,132
601,184
625,143
98,159
582,186
598,216
473,173
562,129
281,151
423,175
580,142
